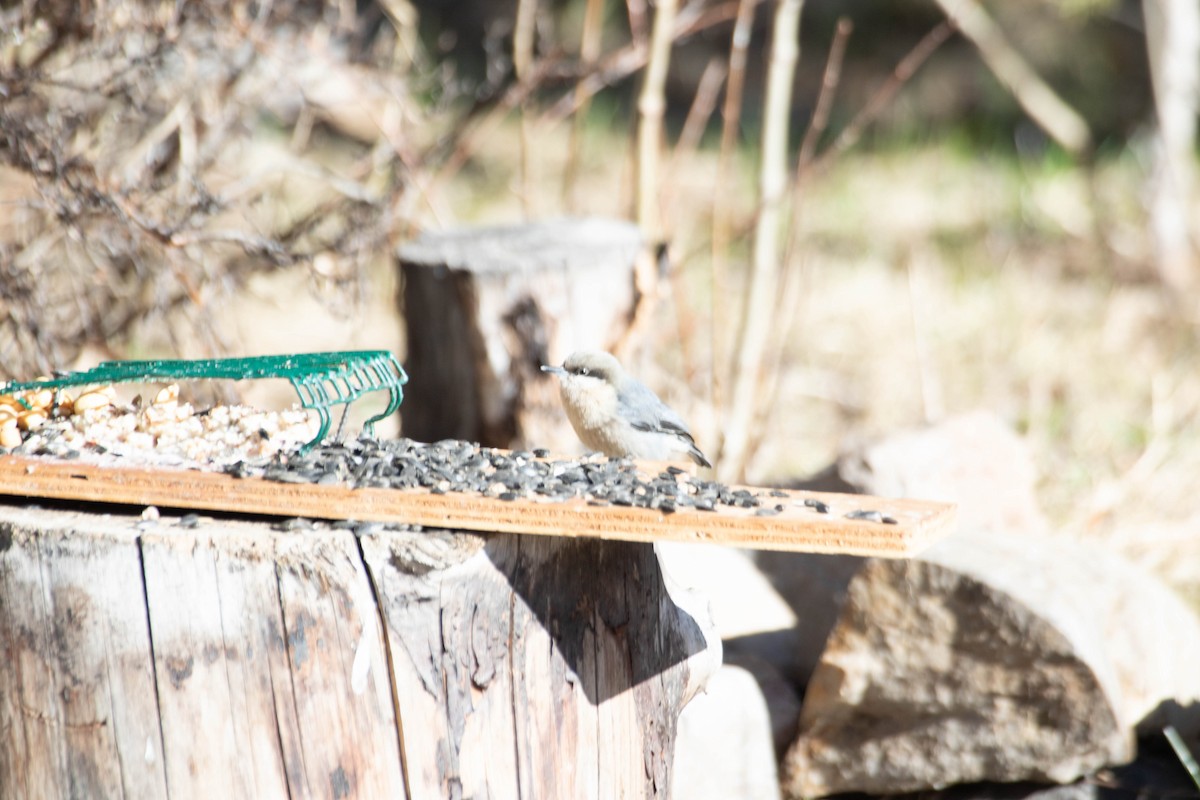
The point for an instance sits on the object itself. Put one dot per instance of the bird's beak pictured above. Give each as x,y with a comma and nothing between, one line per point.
553,370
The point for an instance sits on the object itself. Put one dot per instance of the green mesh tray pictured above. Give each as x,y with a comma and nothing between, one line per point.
320,379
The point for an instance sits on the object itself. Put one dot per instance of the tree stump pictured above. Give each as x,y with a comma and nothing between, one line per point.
485,308
164,658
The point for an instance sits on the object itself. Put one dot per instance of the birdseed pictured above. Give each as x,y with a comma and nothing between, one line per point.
247,443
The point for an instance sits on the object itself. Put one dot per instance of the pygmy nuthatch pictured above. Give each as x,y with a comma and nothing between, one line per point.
617,414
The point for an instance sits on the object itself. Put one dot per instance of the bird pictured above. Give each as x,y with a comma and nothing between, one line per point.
618,415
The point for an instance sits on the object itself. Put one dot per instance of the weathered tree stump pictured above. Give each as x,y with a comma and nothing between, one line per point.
230,659
484,308
993,658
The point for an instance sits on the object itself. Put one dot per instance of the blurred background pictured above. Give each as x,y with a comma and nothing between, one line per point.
937,207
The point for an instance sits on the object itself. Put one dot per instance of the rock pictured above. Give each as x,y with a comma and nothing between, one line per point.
742,600
783,701
1156,773
759,630
758,627
992,658
974,460
814,587
723,744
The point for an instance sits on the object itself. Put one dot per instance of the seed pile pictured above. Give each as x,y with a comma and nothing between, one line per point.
456,466
245,442
95,427
30,410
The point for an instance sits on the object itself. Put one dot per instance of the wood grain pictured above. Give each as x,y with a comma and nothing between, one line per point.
797,528
270,670
78,715
535,667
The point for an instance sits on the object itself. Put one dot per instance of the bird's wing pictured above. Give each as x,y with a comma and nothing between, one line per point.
646,412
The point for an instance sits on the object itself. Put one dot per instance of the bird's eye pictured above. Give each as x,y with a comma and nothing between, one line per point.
584,371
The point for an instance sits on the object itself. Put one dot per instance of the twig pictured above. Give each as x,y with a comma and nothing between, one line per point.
901,74
794,272
250,244
651,104
816,127
698,116
636,9
830,80
589,54
764,276
1173,45
619,64
466,140
1056,118
731,114
1183,753
829,83
927,379
523,35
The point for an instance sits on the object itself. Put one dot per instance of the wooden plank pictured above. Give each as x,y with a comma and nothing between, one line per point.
797,528
78,716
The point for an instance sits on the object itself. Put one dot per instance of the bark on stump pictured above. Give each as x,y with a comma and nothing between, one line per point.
149,659
484,308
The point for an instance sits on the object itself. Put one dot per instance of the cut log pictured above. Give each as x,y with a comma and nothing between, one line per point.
535,667
233,659
485,308
78,716
993,658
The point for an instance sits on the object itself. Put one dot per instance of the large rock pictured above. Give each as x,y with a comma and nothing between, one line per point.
722,586
992,658
814,587
974,460
723,745
780,695
1156,773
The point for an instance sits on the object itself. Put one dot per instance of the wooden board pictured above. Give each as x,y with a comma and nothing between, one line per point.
797,528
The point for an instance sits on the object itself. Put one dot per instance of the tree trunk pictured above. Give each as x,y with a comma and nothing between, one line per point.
485,308
231,659
1173,45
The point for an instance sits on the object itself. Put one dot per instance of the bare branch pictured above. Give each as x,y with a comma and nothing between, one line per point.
764,275
903,72
1055,117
